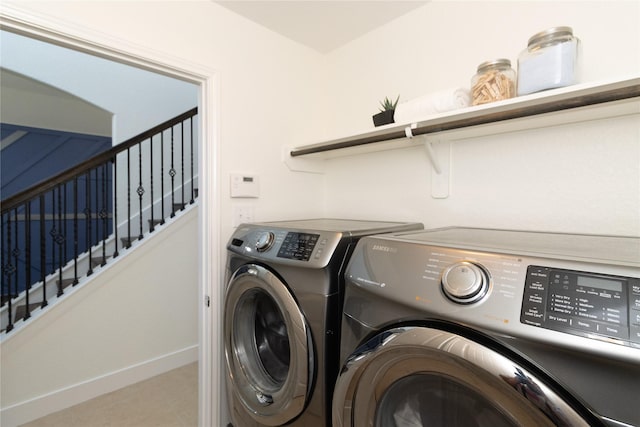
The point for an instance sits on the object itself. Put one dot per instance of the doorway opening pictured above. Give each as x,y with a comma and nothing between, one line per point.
201,84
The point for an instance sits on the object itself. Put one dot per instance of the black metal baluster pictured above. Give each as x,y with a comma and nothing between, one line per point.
140,190
89,214
27,255
53,232
162,176
128,198
172,174
65,231
3,246
104,213
59,239
75,230
191,156
16,255
114,188
152,225
43,251
96,215
182,164
4,287
7,269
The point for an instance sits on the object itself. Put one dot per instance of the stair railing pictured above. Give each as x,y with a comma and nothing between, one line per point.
61,229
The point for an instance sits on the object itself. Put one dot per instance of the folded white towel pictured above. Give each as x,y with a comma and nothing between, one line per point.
438,102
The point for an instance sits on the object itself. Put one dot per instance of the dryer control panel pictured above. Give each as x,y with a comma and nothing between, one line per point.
580,303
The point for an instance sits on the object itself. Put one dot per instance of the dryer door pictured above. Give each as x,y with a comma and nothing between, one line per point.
419,376
267,347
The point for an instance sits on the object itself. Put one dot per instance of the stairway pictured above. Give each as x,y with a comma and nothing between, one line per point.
56,234
56,286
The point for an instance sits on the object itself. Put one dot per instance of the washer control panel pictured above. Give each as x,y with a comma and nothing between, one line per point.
294,247
580,303
298,246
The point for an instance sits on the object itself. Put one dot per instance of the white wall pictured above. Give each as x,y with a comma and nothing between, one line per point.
576,178
138,99
267,88
28,102
135,319
264,100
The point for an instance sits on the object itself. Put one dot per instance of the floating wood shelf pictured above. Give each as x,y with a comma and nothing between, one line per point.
553,107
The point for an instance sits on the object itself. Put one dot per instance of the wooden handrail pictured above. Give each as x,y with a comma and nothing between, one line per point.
50,183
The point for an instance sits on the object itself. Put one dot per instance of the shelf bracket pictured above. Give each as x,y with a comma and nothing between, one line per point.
431,153
439,154
300,164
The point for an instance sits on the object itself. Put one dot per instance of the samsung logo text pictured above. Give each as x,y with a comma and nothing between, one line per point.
382,248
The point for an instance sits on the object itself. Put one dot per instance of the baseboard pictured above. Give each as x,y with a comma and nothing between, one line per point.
58,400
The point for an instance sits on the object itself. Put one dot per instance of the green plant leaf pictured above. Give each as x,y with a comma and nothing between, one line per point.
387,104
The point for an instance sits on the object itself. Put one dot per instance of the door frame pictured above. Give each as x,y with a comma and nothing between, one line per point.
84,39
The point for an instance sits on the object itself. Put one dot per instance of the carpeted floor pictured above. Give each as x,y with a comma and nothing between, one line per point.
167,400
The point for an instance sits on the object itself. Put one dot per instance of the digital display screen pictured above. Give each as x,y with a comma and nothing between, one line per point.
594,282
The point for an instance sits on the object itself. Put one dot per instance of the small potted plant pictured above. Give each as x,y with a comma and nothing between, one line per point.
385,116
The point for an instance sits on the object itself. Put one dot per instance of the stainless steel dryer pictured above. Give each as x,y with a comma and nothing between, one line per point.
476,328
282,317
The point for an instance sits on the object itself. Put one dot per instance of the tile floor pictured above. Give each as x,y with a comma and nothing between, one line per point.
167,400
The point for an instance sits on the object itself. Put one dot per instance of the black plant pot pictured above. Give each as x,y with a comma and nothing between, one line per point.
383,118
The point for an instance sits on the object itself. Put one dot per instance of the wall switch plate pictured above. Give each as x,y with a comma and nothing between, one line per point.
242,214
244,185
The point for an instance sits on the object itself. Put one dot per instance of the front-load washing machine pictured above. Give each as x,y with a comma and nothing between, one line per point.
488,328
282,315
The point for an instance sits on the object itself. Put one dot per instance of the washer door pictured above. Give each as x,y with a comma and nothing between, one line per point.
419,376
267,346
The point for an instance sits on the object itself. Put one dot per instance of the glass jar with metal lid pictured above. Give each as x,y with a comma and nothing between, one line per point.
494,81
551,60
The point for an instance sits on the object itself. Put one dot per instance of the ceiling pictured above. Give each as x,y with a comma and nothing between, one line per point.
321,25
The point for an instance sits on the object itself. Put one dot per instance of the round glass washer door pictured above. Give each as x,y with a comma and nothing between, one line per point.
268,348
419,376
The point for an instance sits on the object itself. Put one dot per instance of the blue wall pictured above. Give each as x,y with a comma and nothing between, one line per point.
41,154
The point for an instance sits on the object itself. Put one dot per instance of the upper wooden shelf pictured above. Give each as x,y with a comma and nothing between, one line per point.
558,106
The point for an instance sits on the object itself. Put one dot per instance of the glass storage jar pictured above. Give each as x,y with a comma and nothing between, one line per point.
494,81
551,60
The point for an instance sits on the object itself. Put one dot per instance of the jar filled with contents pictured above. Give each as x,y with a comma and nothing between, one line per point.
494,81
551,60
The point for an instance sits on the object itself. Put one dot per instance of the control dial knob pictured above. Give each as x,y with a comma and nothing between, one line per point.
265,241
465,282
